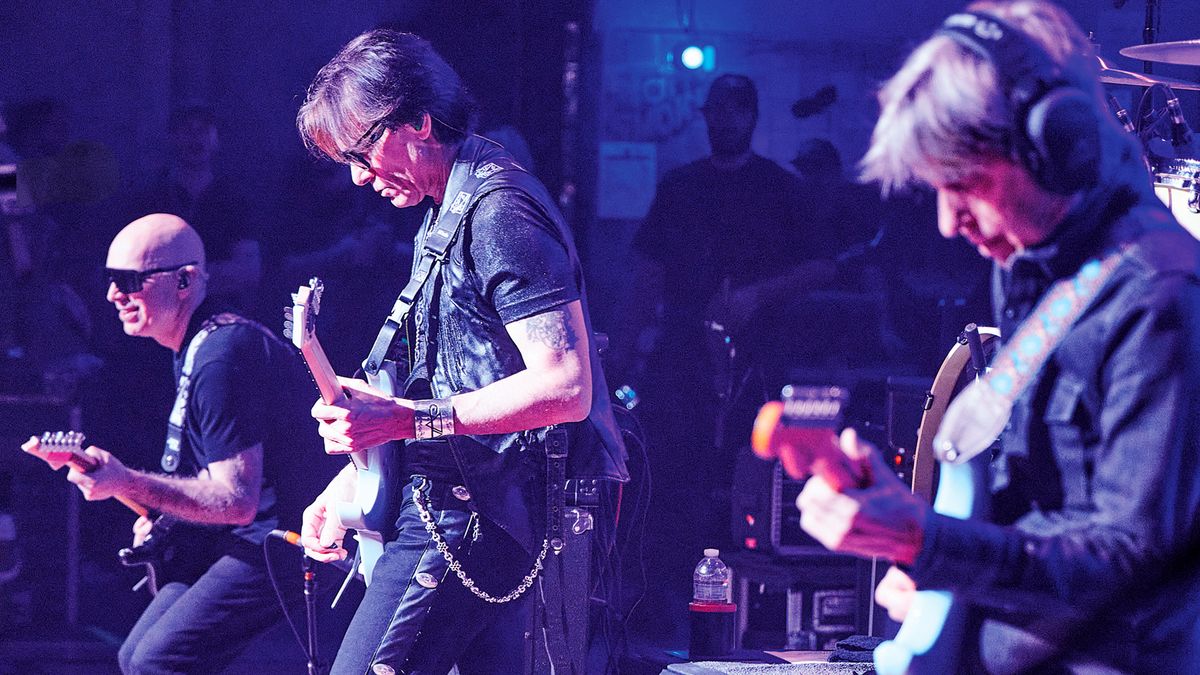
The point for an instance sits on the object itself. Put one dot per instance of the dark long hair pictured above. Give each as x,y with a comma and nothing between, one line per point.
383,75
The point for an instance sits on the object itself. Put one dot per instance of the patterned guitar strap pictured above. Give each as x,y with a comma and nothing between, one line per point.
173,449
980,412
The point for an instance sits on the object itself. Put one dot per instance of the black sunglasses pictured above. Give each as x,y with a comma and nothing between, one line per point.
362,146
130,281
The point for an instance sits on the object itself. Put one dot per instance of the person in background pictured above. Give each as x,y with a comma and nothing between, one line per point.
195,187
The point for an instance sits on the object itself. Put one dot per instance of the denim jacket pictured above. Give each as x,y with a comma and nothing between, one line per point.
1097,489
466,347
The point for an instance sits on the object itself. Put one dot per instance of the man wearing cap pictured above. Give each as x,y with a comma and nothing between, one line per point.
241,394
718,229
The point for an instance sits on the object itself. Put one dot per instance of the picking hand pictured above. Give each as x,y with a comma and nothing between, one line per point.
321,533
895,593
141,530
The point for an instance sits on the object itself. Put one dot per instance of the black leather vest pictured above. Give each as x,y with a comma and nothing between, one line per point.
468,348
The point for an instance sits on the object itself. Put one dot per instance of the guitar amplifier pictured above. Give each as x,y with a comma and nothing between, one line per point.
764,517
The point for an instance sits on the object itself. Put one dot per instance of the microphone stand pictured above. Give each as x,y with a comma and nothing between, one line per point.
310,612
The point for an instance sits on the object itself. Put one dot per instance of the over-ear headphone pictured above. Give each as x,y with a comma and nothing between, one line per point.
184,280
1056,126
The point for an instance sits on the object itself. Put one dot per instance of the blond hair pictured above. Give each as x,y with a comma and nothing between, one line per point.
945,109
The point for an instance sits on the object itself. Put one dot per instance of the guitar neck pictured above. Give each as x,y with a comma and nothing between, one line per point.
322,371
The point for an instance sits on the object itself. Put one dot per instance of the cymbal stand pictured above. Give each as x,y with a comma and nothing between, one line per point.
1150,29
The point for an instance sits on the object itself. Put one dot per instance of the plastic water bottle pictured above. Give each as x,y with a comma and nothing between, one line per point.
710,581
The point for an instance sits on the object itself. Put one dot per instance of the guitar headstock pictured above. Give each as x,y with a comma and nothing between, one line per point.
300,323
58,448
801,428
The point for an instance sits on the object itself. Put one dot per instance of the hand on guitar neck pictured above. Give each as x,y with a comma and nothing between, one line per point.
365,417
852,503
97,472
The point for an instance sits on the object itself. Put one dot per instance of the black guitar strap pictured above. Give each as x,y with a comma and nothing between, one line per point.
464,184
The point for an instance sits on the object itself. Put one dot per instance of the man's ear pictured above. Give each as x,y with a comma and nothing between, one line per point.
423,126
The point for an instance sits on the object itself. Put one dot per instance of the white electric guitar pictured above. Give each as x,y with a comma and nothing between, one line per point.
369,514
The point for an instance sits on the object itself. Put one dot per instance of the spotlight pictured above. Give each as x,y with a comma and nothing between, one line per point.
695,57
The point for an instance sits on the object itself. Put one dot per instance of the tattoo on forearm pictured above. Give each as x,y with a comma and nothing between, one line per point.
552,329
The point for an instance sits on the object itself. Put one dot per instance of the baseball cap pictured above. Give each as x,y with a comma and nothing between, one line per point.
732,90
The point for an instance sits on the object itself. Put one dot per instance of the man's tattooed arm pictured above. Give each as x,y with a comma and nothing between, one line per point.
552,329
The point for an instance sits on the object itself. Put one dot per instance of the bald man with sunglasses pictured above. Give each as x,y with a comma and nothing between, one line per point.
241,390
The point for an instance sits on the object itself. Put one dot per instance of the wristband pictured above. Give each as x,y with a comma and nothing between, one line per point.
433,418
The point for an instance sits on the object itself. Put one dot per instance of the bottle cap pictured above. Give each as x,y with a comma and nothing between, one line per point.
711,552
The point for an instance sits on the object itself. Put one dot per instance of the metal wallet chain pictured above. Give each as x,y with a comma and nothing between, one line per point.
456,567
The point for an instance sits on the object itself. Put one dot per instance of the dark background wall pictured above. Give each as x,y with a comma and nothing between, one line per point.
120,66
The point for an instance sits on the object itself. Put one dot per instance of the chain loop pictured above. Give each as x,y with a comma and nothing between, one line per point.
456,567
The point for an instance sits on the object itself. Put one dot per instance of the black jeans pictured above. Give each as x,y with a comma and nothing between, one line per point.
201,627
418,617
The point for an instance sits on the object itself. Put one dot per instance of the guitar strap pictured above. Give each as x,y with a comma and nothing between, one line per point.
979,413
464,184
173,450
174,447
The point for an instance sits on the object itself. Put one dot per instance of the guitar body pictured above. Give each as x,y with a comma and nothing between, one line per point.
371,515
930,639
174,550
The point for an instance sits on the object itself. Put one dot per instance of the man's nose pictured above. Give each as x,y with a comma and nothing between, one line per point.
359,175
950,210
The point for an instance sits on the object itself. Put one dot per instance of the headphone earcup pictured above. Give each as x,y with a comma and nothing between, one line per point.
184,281
1063,134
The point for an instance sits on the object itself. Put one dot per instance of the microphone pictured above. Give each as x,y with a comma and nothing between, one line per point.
1181,133
1121,113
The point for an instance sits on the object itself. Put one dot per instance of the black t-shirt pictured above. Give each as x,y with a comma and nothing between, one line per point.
249,388
707,224
520,264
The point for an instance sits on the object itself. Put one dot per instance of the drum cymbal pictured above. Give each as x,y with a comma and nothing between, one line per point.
1109,75
1182,52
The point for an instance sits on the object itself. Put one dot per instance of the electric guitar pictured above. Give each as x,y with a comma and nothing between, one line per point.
370,514
158,553
800,427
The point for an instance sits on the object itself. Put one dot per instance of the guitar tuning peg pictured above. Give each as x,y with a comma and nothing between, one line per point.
45,438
